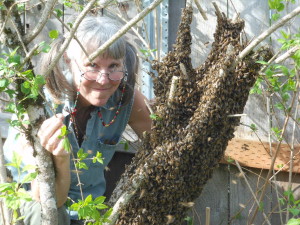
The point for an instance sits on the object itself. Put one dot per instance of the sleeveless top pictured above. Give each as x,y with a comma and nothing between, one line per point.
97,139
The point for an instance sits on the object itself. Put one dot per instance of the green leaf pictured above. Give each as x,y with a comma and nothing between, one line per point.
280,7
81,165
66,144
279,106
294,221
7,186
189,220
261,206
262,62
29,167
15,59
59,12
40,80
45,47
155,117
16,160
275,16
126,146
98,158
253,127
4,82
64,131
81,154
53,34
99,200
88,199
29,177
294,211
25,87
285,35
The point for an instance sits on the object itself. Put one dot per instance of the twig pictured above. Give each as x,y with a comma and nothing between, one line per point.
137,34
270,147
71,35
125,197
207,216
173,88
266,33
29,55
65,26
273,161
3,179
252,192
148,106
124,29
9,12
42,22
236,115
293,148
202,12
19,36
218,12
287,54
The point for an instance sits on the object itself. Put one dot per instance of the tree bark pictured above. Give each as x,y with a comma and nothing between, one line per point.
5,217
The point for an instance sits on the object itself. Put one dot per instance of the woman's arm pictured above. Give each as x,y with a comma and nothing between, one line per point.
49,137
140,116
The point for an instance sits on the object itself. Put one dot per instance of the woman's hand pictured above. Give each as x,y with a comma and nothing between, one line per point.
49,136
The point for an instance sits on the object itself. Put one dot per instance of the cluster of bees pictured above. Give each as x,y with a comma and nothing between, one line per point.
189,139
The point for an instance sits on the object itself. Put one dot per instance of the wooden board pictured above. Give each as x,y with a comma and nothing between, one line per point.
258,155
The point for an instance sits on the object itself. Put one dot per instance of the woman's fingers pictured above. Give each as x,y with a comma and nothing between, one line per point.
50,131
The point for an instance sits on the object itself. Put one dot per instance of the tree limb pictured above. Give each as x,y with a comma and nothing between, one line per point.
72,32
287,54
44,18
124,29
3,179
267,32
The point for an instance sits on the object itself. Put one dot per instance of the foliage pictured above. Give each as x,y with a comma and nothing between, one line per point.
13,193
89,210
294,206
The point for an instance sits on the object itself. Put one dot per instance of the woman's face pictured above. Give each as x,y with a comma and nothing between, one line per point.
97,92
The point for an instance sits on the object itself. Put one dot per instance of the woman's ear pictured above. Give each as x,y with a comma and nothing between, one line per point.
67,59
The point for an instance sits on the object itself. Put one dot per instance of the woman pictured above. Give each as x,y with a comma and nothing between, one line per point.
96,100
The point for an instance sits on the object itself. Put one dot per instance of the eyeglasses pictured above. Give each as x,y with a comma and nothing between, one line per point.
94,75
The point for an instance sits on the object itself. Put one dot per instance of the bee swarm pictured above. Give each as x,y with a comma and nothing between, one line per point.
193,127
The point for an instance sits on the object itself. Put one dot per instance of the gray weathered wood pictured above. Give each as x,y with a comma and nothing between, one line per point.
215,196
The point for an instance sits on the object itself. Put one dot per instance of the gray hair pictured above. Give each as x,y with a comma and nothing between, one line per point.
95,31
92,33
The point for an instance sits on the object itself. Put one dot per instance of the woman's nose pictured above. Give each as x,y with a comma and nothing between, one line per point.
103,77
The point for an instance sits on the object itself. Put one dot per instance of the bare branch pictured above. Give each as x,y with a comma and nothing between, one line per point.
3,179
9,12
287,54
250,189
269,31
19,36
124,29
72,32
202,12
44,18
137,34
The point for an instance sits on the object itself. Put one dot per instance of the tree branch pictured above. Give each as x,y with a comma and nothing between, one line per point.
44,18
72,33
124,29
266,33
287,54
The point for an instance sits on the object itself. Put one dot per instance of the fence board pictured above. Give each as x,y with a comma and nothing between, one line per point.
215,196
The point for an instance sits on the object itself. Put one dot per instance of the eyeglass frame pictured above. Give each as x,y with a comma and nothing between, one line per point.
125,74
